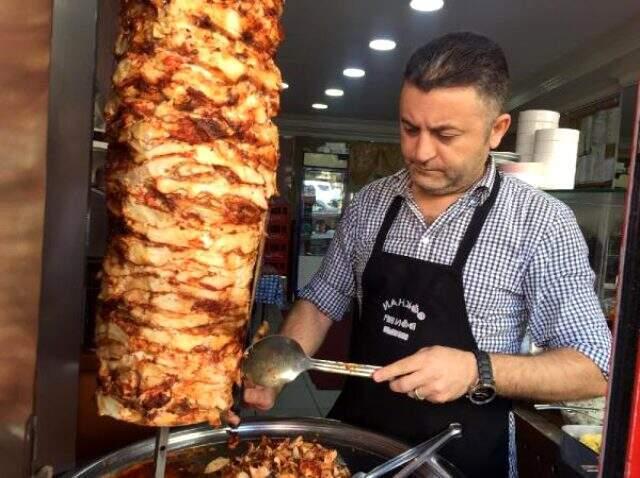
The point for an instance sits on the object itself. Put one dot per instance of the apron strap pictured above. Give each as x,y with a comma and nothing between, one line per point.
389,217
475,226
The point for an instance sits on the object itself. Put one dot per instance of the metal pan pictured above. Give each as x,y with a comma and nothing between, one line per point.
361,450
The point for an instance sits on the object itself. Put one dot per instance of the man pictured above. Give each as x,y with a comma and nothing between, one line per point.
451,262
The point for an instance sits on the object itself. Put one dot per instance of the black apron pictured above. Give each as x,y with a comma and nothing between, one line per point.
409,304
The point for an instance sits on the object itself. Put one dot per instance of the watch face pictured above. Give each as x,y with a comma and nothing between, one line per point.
482,394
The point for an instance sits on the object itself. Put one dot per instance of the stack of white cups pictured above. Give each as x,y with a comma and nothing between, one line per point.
557,149
528,123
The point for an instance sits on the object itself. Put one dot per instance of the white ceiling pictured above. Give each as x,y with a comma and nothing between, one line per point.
323,37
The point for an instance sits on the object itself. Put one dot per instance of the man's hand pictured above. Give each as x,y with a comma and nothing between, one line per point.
307,325
437,374
255,396
260,398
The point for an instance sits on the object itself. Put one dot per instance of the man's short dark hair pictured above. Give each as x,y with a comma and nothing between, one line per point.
461,59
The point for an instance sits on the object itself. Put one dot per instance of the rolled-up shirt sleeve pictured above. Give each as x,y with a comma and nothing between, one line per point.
333,287
559,289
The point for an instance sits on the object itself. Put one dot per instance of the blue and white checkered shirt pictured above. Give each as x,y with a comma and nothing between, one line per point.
530,266
529,269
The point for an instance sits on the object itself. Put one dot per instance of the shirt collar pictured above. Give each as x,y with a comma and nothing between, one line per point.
481,189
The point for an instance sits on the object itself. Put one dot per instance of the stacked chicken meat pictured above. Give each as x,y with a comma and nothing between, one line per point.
192,161
282,459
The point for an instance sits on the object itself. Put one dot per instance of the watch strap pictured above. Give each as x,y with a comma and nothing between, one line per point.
485,370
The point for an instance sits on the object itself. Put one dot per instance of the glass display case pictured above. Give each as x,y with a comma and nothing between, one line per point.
600,214
323,198
324,186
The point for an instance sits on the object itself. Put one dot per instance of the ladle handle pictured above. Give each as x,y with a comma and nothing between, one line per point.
548,406
160,452
437,442
343,368
405,457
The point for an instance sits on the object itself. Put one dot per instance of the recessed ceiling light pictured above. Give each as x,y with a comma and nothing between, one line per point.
426,5
334,92
382,44
284,85
354,72
319,106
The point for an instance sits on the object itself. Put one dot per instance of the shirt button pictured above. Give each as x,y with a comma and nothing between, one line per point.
425,240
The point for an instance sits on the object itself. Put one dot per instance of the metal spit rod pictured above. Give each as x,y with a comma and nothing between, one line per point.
160,452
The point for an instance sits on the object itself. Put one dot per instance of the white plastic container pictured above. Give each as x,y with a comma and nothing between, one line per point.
557,148
539,115
500,157
525,139
565,135
558,177
529,122
533,126
529,172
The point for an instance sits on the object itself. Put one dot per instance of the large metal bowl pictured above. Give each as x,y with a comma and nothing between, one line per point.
361,450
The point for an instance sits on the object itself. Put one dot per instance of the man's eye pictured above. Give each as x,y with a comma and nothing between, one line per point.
447,136
411,131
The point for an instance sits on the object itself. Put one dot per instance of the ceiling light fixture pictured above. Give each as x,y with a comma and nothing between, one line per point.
426,5
319,106
335,92
285,85
382,44
354,72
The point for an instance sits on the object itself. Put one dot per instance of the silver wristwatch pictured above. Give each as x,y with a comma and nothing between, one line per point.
484,391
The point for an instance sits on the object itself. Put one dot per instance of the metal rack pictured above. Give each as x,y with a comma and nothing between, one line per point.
52,431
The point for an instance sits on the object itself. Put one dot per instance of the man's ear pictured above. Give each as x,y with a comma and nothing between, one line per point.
499,129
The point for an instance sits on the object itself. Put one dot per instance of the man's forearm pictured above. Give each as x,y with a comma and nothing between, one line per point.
307,325
561,374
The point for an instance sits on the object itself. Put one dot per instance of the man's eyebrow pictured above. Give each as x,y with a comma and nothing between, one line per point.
408,123
437,129
445,127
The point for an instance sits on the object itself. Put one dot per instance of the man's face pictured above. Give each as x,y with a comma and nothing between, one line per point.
446,135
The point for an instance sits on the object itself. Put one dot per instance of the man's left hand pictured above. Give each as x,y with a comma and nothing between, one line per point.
437,374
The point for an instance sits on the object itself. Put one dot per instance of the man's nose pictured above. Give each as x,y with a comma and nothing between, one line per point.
425,147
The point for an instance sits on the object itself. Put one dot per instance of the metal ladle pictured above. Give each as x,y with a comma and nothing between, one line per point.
277,360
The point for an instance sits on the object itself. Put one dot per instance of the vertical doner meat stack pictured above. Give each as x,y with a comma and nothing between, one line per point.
192,162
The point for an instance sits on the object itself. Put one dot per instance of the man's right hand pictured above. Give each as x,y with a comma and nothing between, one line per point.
255,396
307,325
259,397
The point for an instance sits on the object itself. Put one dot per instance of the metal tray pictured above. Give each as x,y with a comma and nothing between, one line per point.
361,450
